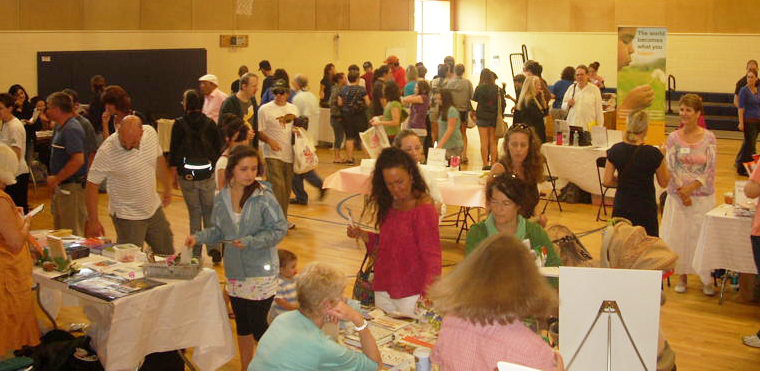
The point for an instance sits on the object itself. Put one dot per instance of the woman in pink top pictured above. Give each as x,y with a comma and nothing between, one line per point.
690,153
752,190
483,301
408,250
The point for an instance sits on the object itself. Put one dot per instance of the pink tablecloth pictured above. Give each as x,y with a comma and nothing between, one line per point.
354,180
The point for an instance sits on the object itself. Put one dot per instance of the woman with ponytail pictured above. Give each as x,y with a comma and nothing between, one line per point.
631,167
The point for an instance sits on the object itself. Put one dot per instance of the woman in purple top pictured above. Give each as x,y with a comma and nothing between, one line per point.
419,104
690,153
749,119
407,249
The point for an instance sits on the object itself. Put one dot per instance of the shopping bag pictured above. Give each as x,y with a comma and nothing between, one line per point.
501,127
305,154
374,140
363,285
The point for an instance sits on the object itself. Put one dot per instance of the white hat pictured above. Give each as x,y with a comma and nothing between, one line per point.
210,78
8,165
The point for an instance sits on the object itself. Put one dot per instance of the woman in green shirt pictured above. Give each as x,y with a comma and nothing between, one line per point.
393,113
449,135
505,196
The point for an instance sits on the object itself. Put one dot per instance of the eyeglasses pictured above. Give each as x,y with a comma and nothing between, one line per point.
505,204
279,92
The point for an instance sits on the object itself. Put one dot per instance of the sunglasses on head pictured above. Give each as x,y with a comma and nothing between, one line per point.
519,127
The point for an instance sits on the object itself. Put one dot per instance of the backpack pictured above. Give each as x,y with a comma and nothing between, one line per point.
195,150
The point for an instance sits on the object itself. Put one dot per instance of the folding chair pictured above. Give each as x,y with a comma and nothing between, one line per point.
600,163
553,180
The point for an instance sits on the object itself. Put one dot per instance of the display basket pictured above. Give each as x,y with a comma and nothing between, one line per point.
177,272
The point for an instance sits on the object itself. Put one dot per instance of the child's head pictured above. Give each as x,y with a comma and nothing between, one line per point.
288,262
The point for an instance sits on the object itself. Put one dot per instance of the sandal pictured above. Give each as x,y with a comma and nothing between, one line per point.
349,162
341,161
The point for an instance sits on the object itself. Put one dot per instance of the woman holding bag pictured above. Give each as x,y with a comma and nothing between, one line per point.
408,248
636,164
490,100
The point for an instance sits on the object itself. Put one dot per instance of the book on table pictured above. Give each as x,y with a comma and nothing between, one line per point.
108,286
382,336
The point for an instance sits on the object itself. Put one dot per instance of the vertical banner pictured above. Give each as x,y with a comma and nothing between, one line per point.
642,80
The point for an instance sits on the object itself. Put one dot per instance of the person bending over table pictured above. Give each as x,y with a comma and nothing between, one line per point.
295,340
17,319
522,157
691,153
636,164
407,249
505,196
483,302
250,222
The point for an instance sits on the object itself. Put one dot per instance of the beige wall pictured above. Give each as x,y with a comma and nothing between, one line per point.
386,15
704,16
297,52
700,62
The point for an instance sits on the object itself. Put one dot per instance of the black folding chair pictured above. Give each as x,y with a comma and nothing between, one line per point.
553,181
601,162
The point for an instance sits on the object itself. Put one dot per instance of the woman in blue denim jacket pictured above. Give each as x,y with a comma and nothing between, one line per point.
250,222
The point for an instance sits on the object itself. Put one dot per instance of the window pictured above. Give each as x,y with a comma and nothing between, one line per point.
432,21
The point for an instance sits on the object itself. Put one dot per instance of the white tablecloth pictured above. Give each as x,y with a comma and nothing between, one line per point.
576,165
180,314
724,243
354,180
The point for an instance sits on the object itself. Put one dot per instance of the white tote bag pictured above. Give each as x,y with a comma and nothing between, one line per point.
305,154
374,140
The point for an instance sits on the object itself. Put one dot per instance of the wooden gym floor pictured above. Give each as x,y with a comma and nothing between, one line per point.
704,335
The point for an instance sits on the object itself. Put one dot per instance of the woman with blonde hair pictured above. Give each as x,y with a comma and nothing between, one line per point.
16,299
636,164
484,300
531,107
522,157
411,80
295,340
691,155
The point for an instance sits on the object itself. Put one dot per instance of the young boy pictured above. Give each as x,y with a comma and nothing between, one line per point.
286,298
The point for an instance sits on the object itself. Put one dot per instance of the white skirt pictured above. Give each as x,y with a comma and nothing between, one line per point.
680,227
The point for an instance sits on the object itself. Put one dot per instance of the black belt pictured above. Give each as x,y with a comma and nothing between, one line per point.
72,179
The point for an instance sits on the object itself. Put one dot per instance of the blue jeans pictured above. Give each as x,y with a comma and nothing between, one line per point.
312,178
756,252
199,198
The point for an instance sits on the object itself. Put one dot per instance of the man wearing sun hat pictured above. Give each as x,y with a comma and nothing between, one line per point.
399,75
214,97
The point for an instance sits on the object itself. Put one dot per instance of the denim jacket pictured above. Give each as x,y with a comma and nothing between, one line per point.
262,226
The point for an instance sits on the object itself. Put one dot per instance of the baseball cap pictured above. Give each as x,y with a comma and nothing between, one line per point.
264,65
391,59
279,85
210,78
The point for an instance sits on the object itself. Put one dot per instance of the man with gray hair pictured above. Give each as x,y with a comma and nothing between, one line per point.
243,103
68,165
308,105
131,159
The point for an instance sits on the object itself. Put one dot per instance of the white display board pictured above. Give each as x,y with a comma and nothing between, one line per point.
581,293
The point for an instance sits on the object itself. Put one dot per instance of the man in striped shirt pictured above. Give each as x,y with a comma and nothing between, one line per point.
131,159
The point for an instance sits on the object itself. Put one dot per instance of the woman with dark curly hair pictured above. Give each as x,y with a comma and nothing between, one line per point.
118,105
408,256
522,157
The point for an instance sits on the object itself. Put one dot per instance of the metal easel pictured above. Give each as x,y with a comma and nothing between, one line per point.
609,307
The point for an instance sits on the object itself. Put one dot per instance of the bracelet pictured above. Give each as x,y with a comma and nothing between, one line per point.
362,327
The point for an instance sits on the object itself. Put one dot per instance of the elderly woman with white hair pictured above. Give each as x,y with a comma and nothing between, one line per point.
17,319
295,341
631,166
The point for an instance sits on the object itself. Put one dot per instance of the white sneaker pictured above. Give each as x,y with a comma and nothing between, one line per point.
291,225
680,288
708,290
752,341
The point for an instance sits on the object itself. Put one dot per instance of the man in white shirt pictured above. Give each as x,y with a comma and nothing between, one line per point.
131,159
13,134
584,101
275,132
308,105
214,97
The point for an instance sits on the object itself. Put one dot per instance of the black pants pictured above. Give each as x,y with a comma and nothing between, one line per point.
19,191
748,145
251,316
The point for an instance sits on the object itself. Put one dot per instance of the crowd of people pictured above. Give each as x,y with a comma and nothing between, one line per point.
233,160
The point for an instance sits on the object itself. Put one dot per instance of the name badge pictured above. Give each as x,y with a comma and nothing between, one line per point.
684,151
